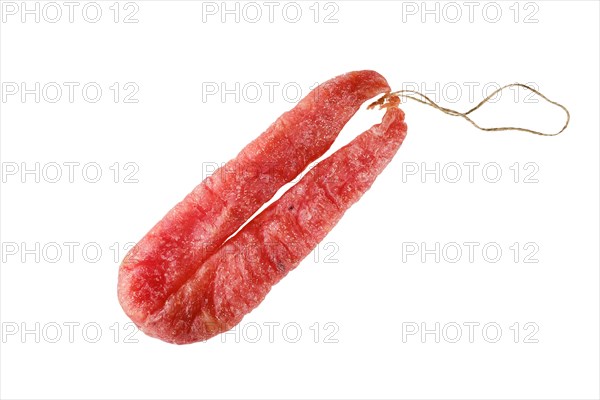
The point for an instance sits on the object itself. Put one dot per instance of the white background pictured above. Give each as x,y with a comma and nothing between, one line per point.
377,290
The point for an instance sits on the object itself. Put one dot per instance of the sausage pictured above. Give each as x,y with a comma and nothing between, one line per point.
238,276
174,251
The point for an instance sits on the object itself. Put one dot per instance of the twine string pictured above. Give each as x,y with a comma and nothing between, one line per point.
392,99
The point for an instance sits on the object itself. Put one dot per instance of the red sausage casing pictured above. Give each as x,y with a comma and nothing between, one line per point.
175,250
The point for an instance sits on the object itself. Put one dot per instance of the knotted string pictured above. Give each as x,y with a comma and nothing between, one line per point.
393,99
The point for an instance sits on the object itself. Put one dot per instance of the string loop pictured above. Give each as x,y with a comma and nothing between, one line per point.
392,99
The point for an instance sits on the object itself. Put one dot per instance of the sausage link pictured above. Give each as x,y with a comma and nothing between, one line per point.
196,227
